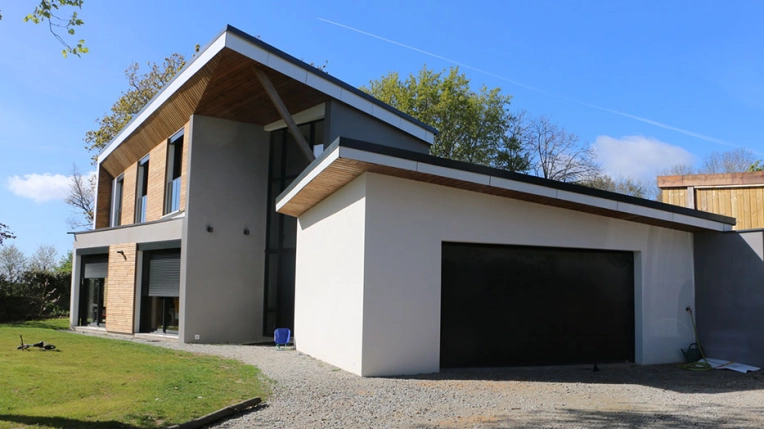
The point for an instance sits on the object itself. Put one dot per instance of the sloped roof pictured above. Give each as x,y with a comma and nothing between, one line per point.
346,159
220,82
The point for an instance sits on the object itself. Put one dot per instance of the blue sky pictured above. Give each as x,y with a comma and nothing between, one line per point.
650,84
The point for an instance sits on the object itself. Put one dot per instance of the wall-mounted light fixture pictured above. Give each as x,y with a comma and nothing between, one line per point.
122,252
246,231
209,228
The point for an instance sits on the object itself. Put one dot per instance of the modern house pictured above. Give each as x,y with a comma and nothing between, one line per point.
256,191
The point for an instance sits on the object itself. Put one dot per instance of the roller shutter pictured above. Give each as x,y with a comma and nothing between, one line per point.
164,274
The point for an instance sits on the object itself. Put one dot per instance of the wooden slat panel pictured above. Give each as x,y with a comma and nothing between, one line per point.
726,179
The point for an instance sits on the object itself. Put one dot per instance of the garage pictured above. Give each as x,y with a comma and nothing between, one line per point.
521,305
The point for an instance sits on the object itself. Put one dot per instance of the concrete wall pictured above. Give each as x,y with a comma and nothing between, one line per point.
405,225
729,268
342,120
329,297
222,271
120,288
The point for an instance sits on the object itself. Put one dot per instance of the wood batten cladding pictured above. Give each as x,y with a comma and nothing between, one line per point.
739,195
226,88
338,167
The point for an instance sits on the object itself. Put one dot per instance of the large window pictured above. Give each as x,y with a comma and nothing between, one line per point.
160,292
92,311
142,189
286,162
174,168
116,201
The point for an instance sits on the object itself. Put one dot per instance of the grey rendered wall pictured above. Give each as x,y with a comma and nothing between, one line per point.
345,121
729,295
222,271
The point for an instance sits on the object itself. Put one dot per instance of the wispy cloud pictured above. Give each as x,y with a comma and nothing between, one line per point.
638,157
541,91
40,187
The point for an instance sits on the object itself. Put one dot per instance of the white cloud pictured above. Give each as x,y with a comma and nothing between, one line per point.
40,187
638,157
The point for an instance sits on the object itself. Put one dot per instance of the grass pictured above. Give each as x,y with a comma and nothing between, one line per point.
94,383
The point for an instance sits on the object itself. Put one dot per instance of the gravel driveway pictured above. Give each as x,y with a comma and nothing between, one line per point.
312,394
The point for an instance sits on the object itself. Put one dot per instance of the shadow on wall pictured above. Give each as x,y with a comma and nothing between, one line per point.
664,377
729,295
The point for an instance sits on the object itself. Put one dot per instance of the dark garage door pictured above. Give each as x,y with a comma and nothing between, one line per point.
519,305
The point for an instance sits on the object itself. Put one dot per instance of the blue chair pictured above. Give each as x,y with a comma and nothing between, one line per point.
281,337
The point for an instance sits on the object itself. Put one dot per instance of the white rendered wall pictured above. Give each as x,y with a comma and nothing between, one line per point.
329,278
406,223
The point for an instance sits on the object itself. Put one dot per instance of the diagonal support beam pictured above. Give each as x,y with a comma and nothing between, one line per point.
285,115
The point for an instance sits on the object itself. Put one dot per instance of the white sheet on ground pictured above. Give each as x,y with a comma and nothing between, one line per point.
728,364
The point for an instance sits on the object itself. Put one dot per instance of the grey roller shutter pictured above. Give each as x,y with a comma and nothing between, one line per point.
95,267
164,274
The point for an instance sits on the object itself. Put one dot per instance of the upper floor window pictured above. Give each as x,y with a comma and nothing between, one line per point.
142,188
174,168
116,201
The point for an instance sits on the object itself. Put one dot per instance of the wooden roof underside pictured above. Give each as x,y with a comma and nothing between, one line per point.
724,179
344,170
226,88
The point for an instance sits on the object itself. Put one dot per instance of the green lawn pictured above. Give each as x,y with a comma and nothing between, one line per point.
94,383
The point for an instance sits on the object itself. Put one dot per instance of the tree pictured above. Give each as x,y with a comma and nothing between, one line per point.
142,88
557,154
626,186
732,161
12,263
5,234
65,264
474,126
82,199
47,10
43,259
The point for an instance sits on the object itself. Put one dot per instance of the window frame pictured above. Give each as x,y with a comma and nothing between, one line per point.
175,146
115,213
141,182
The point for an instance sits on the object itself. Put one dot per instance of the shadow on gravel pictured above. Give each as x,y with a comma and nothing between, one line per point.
690,417
63,423
667,377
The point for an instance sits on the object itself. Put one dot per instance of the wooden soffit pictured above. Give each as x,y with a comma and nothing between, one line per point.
226,88
726,179
345,160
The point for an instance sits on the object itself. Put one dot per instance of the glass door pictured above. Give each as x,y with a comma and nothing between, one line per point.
93,299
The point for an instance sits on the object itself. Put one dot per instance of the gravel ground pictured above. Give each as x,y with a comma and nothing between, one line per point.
308,393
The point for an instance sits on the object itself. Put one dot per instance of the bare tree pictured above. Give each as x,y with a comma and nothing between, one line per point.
82,199
5,234
732,161
13,263
44,259
557,154
626,186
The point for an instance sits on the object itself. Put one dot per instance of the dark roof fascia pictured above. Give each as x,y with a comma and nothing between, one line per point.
495,172
344,85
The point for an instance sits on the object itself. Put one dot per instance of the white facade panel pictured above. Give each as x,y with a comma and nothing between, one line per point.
406,224
329,278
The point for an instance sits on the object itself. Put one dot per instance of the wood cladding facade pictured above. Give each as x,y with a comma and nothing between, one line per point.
738,195
156,186
120,288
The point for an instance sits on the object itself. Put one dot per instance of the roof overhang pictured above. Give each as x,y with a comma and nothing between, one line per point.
748,178
346,159
220,82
